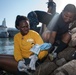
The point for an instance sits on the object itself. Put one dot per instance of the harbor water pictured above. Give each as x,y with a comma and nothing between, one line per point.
6,46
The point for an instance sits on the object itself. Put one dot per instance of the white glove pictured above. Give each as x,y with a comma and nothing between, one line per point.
33,58
21,66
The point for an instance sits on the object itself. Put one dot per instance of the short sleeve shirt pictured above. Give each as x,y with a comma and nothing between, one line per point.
61,27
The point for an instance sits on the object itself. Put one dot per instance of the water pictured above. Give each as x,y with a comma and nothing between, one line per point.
6,46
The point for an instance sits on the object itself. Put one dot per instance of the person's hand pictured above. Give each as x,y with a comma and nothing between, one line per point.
33,58
37,48
21,66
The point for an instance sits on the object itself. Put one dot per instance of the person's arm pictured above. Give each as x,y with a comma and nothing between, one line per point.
42,29
17,52
52,37
42,54
18,56
39,41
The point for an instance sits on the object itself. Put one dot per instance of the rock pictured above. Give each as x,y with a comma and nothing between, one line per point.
73,40
67,69
72,25
46,68
67,53
73,30
60,73
61,61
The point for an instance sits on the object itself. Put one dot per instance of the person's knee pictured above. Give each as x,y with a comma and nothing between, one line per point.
46,36
66,38
6,62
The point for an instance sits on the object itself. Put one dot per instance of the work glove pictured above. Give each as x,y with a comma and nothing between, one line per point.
32,64
45,46
37,48
21,66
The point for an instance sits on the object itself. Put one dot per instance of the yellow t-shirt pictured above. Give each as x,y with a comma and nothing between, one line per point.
23,44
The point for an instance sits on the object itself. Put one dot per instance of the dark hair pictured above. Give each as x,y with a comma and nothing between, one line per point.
70,8
18,19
